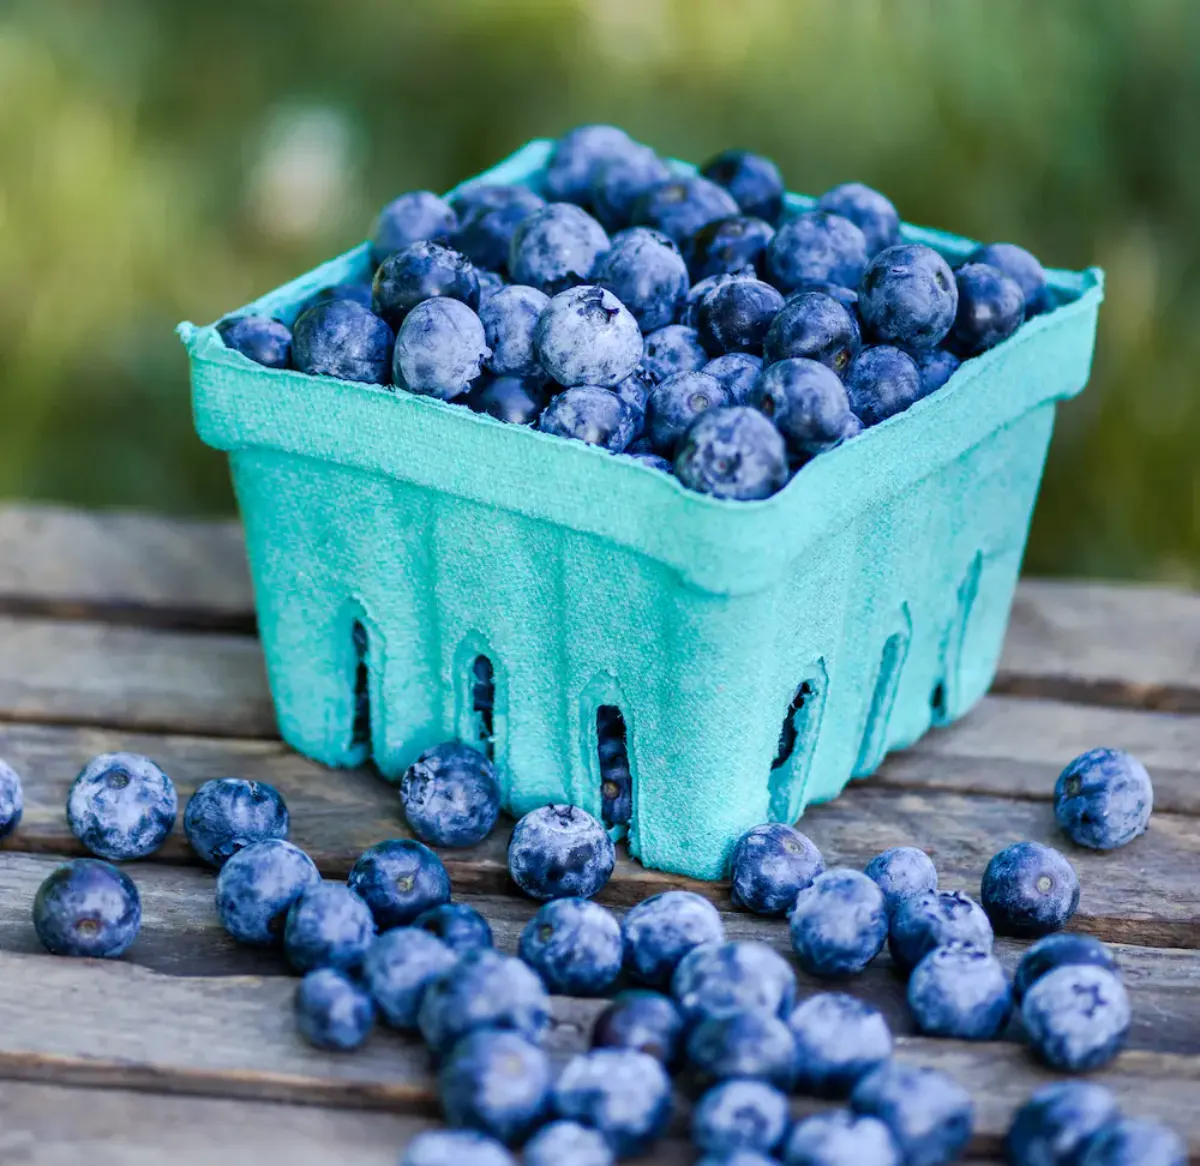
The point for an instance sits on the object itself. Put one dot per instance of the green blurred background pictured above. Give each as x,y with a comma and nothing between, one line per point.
163,160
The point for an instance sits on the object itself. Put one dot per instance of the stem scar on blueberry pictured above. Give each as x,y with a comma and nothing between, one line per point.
118,779
1044,883
940,279
841,359
1073,786
545,932
87,926
405,883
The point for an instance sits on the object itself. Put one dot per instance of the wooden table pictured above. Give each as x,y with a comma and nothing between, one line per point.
126,632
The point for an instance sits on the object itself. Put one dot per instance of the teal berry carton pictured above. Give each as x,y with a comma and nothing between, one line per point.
862,604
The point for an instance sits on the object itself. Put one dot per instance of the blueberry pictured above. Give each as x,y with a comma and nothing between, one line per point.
675,402
328,926
451,795
359,292
868,210
722,979
1019,265
743,1044
771,864
881,382
509,319
990,309
420,272
559,852
87,908
340,338
397,968
399,879
1103,799
489,284
567,1143
587,336
332,1011
483,989
497,1083
841,1138
624,1094
733,453
688,313
1127,1141
727,246
620,181
839,1040
556,248
1054,1125
673,349
908,297
1029,889
679,207
455,1148
641,1019
616,782
1056,951
936,366
488,218
121,806
902,872
574,945
737,373
661,930
806,403
929,1114
258,885
12,800
578,155
735,317
753,180
440,349
815,326
634,390
591,414
225,815
654,462
740,1114
262,339
817,245
838,923
459,927
646,273
922,922
415,216
962,992
1076,1017
515,400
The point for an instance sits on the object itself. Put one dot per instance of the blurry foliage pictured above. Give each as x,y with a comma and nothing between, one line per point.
162,160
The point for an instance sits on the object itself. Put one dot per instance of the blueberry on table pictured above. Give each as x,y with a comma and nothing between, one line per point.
121,806
727,246
591,414
87,908
266,341
990,309
1061,949
1029,889
1076,1017
929,1114
567,1143
342,339
673,349
332,1011
488,218
1022,267
749,1044
806,402
455,1148
509,318
881,382
676,402
839,1040
841,1138
257,887
816,245
577,157
497,1083
397,968
646,273
838,923
328,926
735,317
451,795
559,852
732,452
737,373
959,991
661,930
460,927
574,945
12,800
556,248
752,179
815,326
586,336
641,1019
619,182
908,297
871,212
771,865
399,879
740,1114
922,922
412,217
440,349
1103,799
417,273
225,815
624,1094
1054,1125
936,366
724,979
1127,1141
902,872
679,207
513,400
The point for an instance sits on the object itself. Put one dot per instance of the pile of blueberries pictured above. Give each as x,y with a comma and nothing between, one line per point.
689,321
